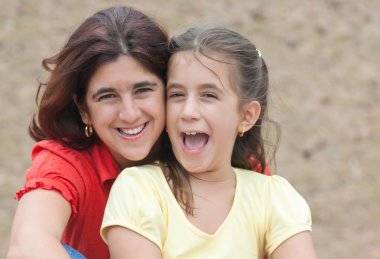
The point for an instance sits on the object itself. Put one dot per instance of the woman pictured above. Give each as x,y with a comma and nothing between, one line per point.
102,109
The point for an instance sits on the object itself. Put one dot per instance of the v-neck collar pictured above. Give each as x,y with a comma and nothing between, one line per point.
225,222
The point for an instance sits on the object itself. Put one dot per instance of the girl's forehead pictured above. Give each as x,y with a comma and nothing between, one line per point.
189,68
211,62
210,56
184,63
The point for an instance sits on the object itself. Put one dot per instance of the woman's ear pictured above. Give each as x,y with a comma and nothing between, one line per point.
82,111
249,114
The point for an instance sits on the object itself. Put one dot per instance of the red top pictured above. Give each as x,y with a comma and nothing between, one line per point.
84,179
257,167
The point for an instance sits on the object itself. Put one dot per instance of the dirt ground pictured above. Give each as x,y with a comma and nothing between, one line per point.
324,60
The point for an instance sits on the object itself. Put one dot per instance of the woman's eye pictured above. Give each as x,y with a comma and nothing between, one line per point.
106,97
144,90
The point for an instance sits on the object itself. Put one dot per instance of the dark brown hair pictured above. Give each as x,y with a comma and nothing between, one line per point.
99,39
249,76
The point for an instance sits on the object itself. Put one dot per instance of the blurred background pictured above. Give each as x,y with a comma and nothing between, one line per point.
324,63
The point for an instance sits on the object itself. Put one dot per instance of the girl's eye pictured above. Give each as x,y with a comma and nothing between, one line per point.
210,95
175,95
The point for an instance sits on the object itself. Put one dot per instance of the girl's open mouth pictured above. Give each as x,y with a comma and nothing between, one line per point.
194,140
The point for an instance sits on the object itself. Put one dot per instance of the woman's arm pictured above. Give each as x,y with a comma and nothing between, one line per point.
125,243
40,220
298,246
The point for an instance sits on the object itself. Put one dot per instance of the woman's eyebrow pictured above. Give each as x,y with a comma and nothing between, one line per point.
102,91
144,83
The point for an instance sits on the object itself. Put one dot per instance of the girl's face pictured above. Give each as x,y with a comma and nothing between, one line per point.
203,117
125,106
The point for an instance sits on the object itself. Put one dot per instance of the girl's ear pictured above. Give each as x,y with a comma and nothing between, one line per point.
250,113
82,111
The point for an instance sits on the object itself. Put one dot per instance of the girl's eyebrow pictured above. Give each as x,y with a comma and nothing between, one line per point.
204,86
173,85
211,86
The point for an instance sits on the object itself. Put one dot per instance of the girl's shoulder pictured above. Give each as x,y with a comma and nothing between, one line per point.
149,173
275,195
270,184
252,177
146,182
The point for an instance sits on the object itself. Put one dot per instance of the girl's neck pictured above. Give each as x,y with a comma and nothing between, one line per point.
217,176
208,183
212,200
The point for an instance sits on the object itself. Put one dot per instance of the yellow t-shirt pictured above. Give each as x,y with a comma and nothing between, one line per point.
266,211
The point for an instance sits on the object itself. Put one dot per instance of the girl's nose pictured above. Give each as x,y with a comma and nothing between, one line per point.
190,109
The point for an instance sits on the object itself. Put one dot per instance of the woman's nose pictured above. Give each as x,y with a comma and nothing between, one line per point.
129,110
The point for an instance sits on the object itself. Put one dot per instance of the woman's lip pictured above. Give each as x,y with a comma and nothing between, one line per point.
132,133
133,130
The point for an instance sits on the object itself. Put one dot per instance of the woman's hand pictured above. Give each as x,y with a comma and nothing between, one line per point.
41,218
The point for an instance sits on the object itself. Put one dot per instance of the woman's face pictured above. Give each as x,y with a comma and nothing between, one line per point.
125,106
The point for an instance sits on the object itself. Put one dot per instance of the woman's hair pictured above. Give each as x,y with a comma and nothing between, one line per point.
248,76
101,38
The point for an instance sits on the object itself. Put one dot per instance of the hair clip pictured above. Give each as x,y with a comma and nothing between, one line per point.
258,53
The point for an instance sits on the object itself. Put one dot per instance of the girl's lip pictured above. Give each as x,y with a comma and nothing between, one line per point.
191,151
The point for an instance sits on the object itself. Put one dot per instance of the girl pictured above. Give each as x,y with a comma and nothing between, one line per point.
202,203
102,110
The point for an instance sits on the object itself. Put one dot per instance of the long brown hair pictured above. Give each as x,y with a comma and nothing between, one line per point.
249,76
99,39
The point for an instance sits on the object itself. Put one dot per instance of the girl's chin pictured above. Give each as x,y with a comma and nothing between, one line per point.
193,168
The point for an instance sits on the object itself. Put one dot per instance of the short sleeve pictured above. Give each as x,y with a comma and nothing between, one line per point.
134,204
288,213
53,168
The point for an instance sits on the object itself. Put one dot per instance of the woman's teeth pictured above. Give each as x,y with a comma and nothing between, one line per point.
131,132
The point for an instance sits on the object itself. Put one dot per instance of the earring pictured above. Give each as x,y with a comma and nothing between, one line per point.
241,133
88,131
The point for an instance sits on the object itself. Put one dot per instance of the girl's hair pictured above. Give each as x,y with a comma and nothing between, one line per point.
101,38
249,77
